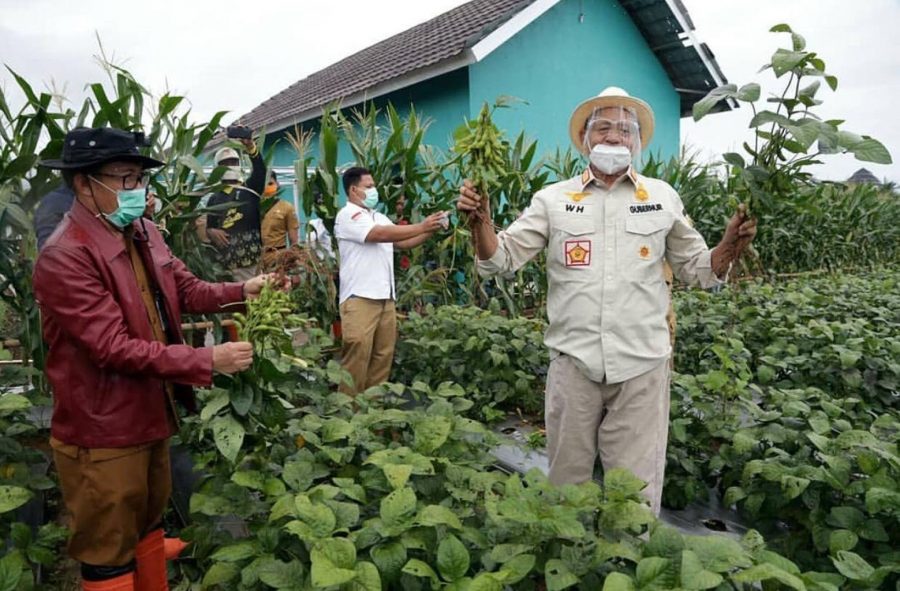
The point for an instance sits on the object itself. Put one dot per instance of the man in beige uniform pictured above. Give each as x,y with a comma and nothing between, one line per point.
607,233
280,227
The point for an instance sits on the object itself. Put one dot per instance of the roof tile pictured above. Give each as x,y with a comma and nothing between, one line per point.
426,44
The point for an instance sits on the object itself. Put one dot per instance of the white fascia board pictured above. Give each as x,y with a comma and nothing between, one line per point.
694,41
508,29
387,87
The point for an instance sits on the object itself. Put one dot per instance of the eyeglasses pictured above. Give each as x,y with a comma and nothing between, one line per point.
131,180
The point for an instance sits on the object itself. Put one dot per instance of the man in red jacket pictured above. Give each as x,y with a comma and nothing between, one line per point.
112,295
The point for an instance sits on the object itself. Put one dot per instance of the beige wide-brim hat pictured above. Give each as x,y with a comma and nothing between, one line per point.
612,96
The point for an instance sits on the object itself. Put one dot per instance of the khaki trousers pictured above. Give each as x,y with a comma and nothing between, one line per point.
114,498
244,274
627,423
369,334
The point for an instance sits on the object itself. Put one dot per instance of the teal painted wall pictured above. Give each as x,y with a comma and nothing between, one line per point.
558,61
570,53
445,100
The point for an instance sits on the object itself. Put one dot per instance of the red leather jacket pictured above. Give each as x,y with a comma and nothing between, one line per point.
105,367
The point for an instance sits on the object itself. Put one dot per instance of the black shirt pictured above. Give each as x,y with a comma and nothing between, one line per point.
241,222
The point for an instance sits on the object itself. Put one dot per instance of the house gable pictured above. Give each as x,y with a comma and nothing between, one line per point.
568,54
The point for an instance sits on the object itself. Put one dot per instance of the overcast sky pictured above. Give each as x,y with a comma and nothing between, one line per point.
229,55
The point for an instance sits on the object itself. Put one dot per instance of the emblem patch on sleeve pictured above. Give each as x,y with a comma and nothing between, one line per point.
578,253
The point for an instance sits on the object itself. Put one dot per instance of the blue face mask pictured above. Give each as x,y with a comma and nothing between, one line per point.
371,199
132,203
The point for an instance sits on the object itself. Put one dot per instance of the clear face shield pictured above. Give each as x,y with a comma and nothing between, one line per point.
611,131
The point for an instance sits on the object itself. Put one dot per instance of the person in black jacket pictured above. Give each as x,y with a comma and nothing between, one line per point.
53,207
50,211
236,232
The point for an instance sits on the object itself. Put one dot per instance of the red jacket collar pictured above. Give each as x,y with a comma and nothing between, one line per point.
109,244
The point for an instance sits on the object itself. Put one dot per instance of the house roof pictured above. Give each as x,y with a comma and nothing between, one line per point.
863,175
467,34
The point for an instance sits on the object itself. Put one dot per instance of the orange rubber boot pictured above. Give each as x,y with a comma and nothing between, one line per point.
151,563
173,547
123,583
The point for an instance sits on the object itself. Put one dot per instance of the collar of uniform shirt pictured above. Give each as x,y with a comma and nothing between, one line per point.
587,177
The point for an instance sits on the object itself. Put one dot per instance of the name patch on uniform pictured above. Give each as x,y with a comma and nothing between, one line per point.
578,253
645,208
355,215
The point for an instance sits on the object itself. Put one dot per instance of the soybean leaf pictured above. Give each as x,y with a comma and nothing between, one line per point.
694,576
220,572
452,558
228,434
618,582
398,506
235,552
367,578
748,92
431,433
784,61
841,540
282,575
397,474
853,566
518,568
558,575
215,404
655,572
389,558
10,572
332,562
764,572
871,150
417,568
705,105
433,515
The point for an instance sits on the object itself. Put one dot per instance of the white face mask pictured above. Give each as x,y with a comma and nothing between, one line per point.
610,159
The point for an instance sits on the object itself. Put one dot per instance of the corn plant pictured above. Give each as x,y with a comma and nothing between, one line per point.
21,186
388,145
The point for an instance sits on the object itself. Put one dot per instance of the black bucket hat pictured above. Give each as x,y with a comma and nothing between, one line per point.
86,147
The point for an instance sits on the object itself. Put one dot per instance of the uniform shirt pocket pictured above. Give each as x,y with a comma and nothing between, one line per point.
572,245
643,247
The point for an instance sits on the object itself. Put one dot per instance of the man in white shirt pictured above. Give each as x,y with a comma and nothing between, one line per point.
366,241
607,233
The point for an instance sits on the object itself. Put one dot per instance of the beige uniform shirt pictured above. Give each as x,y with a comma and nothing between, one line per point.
607,297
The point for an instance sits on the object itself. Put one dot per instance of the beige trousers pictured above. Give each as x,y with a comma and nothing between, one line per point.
244,274
369,334
627,423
